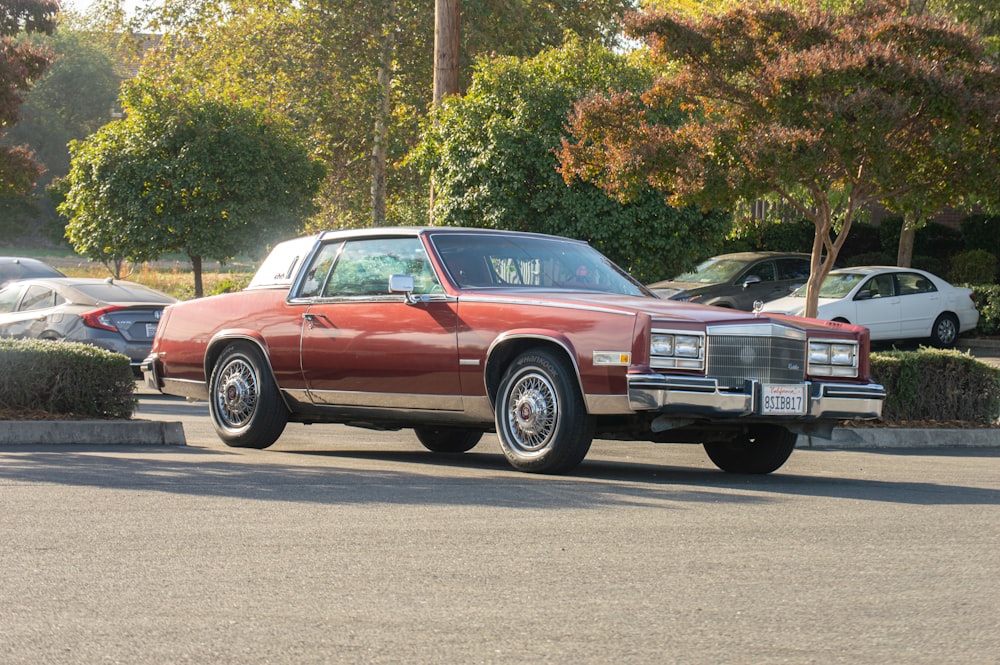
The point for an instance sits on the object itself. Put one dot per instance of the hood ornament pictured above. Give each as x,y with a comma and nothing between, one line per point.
758,305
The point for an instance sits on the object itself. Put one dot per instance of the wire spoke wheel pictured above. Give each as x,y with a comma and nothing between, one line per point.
246,405
541,420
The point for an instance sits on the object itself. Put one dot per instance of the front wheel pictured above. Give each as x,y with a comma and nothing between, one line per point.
541,420
447,439
761,450
944,333
246,407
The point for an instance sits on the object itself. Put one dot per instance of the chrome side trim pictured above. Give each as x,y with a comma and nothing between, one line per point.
185,388
599,405
545,303
409,401
478,408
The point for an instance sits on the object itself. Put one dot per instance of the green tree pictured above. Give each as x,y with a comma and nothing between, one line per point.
21,64
185,172
72,100
357,75
829,110
493,153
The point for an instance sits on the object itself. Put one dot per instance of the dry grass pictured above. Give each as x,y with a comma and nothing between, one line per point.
174,277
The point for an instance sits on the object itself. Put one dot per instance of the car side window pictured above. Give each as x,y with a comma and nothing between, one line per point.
319,270
880,286
764,270
37,297
364,267
911,282
8,299
793,269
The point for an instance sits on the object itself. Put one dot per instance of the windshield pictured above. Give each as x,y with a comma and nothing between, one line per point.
836,285
536,262
714,270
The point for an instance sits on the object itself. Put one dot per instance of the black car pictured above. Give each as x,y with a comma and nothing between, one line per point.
738,280
13,268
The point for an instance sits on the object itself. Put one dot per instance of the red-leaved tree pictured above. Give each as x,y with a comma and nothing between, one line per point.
829,110
21,63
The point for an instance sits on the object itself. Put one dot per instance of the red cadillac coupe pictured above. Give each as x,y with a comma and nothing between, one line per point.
455,332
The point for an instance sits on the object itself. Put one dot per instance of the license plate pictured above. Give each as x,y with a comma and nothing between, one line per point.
782,400
150,330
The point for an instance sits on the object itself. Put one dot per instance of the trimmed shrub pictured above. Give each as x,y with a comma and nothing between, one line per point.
976,266
65,378
980,232
936,384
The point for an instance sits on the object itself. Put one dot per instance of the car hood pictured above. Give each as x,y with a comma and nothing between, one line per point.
672,289
659,309
792,305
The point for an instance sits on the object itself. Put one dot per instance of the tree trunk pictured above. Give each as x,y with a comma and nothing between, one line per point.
447,36
907,235
447,58
199,289
381,138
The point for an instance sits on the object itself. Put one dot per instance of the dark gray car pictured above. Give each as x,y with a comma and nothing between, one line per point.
13,268
738,280
112,314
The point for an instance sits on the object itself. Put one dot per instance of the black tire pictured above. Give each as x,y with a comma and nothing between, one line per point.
447,439
246,407
762,450
944,332
541,420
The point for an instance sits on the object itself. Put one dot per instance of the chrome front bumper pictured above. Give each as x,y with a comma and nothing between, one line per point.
702,398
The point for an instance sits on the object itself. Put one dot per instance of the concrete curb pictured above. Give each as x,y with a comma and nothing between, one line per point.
901,438
92,432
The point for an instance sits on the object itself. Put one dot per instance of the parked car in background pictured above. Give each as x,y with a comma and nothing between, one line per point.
13,268
455,332
112,314
893,303
738,280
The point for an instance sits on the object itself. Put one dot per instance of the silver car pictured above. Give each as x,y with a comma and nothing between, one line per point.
115,315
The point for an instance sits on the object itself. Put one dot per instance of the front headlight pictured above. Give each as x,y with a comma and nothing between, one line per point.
677,350
833,358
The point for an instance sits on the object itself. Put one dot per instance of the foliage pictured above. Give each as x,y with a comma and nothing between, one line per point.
987,297
492,153
186,173
72,100
830,109
976,266
936,384
318,62
21,64
982,232
65,378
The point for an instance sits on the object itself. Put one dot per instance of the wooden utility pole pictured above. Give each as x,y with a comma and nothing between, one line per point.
447,35
447,52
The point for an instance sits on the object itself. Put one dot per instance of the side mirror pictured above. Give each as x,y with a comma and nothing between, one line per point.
752,279
864,295
401,284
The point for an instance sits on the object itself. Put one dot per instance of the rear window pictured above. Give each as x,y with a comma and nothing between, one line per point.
122,293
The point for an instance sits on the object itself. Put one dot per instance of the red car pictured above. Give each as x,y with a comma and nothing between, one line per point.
455,332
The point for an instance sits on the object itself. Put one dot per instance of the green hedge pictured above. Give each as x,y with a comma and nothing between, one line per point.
65,378
987,297
939,385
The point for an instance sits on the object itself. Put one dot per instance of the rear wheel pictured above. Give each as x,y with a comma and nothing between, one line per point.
447,439
541,420
944,333
246,407
761,450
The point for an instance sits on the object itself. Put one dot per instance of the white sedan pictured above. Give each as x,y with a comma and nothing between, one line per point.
893,303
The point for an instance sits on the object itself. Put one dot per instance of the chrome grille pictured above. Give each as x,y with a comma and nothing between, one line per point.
733,358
